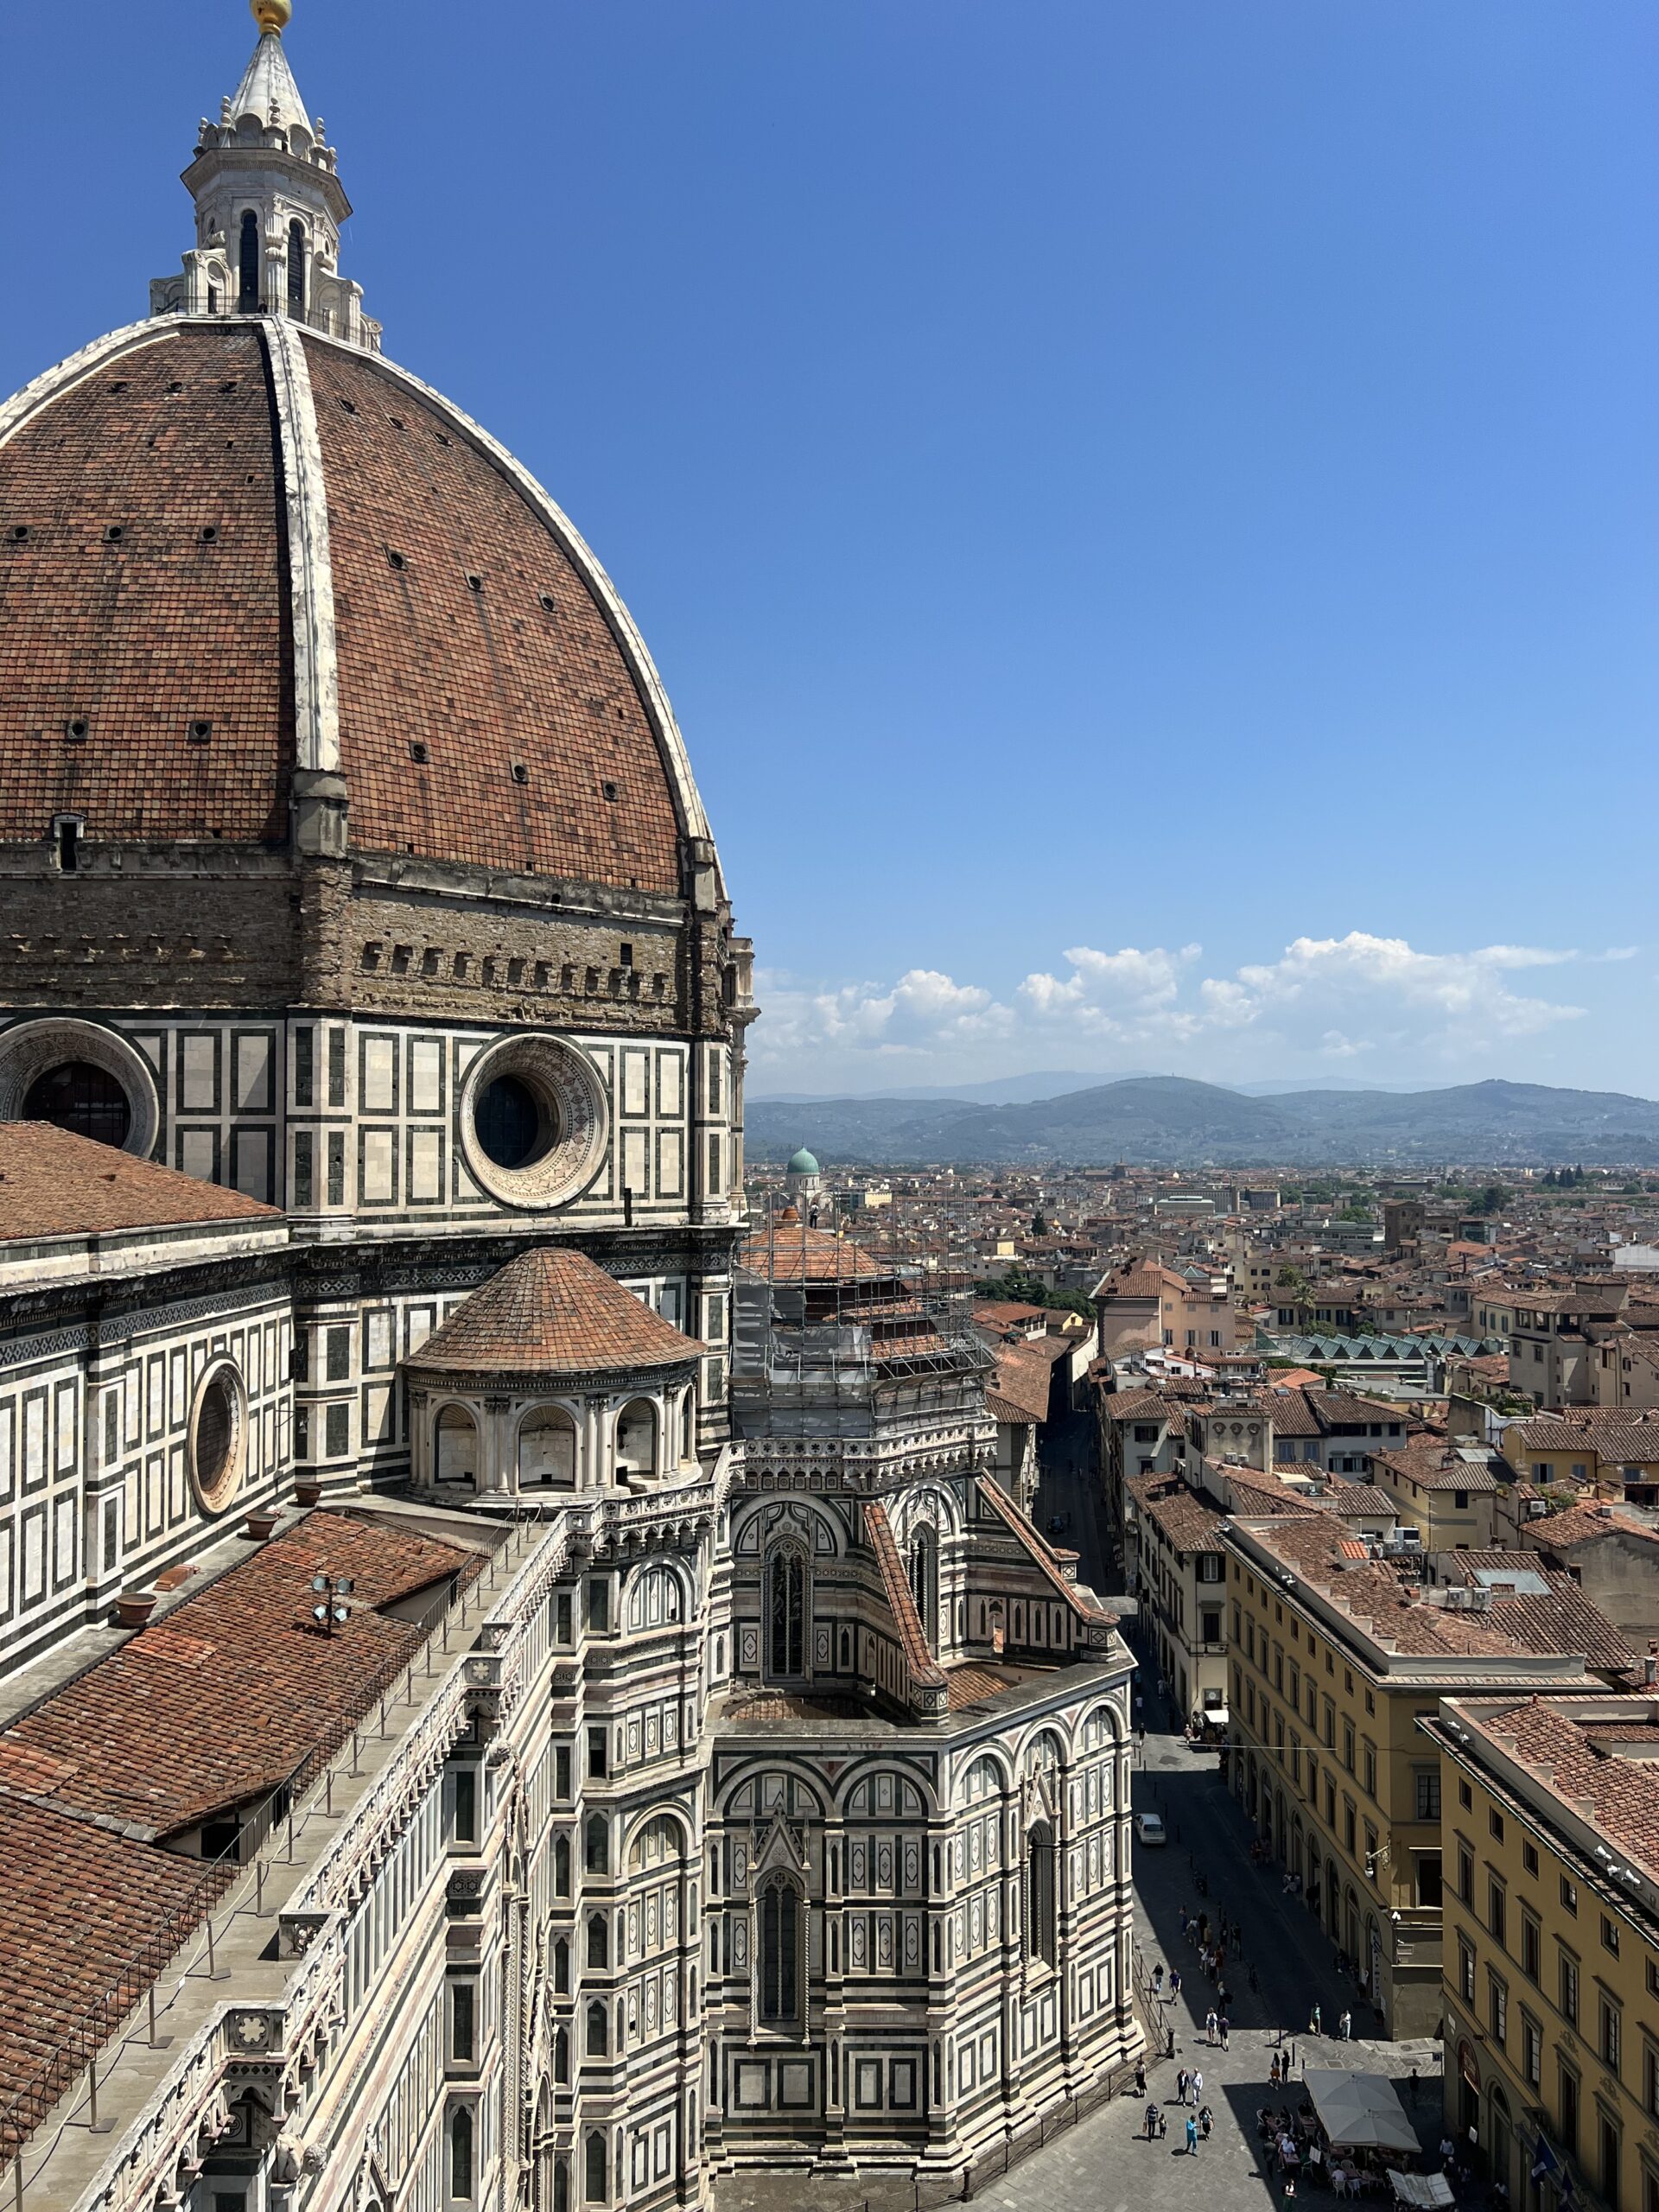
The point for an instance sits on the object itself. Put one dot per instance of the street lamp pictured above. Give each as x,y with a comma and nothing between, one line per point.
332,1611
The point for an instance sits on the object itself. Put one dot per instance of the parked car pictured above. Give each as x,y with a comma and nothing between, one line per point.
1149,1828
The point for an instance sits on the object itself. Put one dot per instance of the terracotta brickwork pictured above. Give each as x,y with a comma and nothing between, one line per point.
140,636
486,678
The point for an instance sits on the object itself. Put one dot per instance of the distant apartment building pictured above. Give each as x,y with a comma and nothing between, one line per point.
1337,1650
1145,1303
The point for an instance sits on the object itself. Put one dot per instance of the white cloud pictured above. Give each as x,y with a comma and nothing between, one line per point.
1322,999
1359,976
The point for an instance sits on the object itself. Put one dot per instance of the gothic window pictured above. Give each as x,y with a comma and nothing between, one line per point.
562,1866
461,2152
562,2057
561,1967
248,261
786,1612
597,2038
1040,1895
560,2184
593,2168
923,1580
599,1941
781,1951
296,270
596,1853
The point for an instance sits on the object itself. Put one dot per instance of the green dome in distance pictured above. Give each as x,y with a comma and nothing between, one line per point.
803,1163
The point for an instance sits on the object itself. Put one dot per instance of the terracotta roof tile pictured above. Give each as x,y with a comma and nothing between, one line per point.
552,1312
791,1255
487,674
220,1701
210,1707
91,1916
52,1184
1040,1552
145,632
901,1603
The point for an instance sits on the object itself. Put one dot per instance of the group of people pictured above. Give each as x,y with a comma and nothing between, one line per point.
1344,2024
1200,2124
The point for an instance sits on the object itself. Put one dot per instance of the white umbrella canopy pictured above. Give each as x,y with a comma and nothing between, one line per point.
1359,2111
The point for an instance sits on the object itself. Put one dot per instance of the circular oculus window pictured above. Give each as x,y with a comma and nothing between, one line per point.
534,1121
218,1436
82,1077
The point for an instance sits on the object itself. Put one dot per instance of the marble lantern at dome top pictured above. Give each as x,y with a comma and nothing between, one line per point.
269,208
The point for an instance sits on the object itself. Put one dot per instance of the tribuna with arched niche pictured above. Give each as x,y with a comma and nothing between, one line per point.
650,1739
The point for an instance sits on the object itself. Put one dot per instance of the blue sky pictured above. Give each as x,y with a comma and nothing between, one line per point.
1147,513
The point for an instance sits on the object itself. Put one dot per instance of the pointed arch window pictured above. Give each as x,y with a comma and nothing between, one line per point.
562,2058
249,258
593,2168
781,1951
598,2032
296,270
460,2152
924,1580
1040,1894
786,1612
599,1941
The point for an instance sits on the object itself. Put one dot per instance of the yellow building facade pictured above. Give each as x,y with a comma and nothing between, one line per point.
1551,1816
1336,1656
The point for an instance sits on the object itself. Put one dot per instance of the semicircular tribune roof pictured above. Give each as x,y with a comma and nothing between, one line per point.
552,1312
185,499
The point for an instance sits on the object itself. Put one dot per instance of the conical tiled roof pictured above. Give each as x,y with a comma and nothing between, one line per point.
552,1312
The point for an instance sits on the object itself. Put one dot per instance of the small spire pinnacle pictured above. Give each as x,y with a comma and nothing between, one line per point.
273,16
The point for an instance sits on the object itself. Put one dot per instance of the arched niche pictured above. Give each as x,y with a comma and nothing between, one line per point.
637,1429
455,1447
547,1449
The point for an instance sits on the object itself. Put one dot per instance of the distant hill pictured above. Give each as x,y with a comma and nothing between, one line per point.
1000,1091
1159,1121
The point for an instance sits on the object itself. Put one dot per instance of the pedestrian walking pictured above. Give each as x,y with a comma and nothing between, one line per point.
1152,2122
1140,2077
1175,1982
1191,2137
1272,2071
1196,2084
1345,2026
1158,1979
1210,2019
1313,2027
1225,2030
1180,2087
1290,2189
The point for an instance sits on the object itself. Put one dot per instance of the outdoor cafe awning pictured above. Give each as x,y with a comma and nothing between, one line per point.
1424,2192
1359,2111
